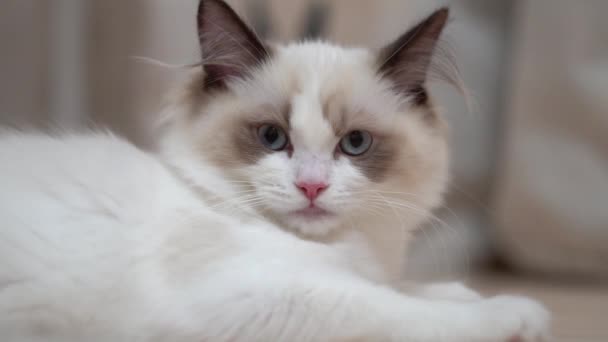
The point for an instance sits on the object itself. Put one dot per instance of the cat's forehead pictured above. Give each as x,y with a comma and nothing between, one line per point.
326,83
322,68
320,57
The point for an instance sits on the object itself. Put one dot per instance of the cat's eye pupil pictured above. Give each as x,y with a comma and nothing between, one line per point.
356,139
273,137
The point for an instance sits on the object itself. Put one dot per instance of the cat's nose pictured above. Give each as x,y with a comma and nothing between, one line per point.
312,190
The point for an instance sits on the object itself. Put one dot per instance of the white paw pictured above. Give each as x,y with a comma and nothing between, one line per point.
449,291
512,319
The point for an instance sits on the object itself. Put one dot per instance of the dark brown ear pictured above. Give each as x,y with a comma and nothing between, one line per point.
407,60
230,49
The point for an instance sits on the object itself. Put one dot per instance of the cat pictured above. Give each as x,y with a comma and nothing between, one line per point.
278,207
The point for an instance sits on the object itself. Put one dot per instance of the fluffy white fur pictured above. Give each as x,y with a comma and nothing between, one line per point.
100,241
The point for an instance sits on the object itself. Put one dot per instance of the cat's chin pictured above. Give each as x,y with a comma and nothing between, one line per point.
312,221
313,213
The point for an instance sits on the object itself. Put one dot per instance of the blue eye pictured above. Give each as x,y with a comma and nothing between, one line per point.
356,143
273,137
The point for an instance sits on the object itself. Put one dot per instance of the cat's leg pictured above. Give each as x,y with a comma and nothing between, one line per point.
325,307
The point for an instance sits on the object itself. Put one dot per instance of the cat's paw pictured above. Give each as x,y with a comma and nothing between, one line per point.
513,319
448,291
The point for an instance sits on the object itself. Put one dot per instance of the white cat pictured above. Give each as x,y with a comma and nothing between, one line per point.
278,209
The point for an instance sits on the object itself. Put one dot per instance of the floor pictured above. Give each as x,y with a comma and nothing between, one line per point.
580,312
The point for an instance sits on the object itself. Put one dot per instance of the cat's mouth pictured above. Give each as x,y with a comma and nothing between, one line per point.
313,212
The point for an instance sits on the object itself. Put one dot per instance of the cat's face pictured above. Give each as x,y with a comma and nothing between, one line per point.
311,135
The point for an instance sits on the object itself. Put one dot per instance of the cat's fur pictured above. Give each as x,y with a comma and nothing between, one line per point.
100,241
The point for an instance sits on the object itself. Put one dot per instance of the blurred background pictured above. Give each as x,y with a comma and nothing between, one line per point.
527,209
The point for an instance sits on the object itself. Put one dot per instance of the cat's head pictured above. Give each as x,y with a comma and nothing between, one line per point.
311,135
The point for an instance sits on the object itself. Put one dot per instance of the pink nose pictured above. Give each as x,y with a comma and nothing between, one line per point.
311,190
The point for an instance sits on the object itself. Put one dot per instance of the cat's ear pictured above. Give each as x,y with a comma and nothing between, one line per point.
407,60
230,49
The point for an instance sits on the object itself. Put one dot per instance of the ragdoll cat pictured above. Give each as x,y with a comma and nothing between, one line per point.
277,210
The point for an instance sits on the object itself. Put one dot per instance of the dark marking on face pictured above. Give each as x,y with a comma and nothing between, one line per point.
378,161
246,141
285,115
339,124
335,113
247,145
